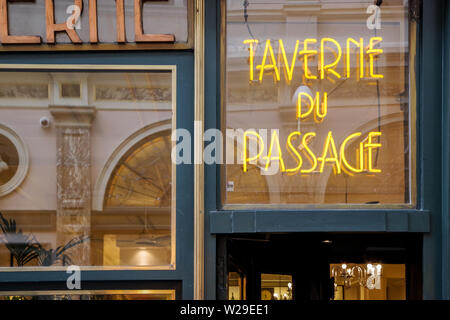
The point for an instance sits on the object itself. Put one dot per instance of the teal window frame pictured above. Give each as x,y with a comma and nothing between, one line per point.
431,215
184,62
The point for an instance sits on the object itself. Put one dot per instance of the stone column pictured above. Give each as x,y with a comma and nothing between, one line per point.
73,218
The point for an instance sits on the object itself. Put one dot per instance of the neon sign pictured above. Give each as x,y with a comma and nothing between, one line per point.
308,105
269,61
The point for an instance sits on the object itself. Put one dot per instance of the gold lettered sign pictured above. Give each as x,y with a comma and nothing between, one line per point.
94,25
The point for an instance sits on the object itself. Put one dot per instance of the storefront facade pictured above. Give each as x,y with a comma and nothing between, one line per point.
224,150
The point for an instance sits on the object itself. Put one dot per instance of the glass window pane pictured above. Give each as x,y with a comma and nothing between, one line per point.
85,169
317,104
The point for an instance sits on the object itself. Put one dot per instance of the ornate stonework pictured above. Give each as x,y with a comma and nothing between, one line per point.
23,91
133,94
73,177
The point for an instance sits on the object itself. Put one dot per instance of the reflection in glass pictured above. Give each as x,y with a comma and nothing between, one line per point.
236,286
98,192
142,180
335,94
70,90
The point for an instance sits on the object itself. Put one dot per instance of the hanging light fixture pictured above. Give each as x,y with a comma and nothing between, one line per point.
301,89
365,276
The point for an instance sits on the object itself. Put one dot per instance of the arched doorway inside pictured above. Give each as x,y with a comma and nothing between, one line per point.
135,227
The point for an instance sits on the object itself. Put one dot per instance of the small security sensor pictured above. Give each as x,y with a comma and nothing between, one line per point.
45,122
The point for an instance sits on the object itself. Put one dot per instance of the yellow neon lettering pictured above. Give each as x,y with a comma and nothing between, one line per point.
321,109
259,139
372,53
310,155
370,145
360,45
269,157
322,113
289,69
263,66
307,52
294,153
329,67
251,55
365,160
360,152
334,155
299,105
344,159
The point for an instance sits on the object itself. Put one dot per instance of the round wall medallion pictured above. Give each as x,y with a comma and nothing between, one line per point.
14,160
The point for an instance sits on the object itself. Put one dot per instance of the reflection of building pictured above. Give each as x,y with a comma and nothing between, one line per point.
86,146
106,172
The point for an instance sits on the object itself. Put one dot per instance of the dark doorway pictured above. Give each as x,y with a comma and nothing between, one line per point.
298,266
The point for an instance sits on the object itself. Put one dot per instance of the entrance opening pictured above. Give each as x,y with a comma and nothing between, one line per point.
320,267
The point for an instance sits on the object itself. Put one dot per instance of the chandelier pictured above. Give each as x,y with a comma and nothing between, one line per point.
368,276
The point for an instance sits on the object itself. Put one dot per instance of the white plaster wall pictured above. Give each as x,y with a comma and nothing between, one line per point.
111,128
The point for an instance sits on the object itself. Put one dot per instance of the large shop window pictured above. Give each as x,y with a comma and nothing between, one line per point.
319,103
86,176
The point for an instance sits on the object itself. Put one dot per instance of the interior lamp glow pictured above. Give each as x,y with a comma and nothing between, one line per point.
3,165
301,89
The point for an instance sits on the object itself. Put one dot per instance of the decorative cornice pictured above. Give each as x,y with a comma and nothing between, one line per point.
76,117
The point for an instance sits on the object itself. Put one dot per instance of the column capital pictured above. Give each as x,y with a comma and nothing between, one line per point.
76,117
